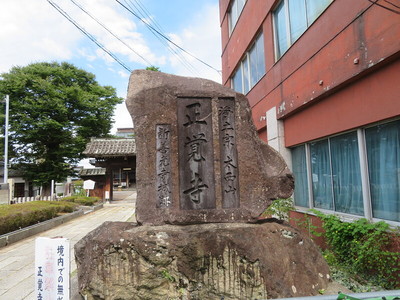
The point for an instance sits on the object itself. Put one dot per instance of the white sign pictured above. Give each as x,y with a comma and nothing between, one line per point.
88,184
52,268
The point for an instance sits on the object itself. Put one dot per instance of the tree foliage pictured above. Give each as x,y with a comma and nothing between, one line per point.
153,68
54,109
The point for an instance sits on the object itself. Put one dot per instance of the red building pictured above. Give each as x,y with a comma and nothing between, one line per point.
323,80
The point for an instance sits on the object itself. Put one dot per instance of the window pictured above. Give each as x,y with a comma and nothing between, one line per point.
234,13
300,174
333,166
251,68
292,18
383,155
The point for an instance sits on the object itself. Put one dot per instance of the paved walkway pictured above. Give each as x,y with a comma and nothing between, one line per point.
17,260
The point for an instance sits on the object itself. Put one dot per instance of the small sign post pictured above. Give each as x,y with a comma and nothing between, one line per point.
52,268
88,185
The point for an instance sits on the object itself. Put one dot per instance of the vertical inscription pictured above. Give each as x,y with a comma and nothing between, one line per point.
196,159
229,161
163,165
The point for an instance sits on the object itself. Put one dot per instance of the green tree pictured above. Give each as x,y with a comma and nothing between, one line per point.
153,68
54,109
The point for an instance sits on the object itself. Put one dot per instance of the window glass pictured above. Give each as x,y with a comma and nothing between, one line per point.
383,154
300,176
245,71
346,174
233,16
315,8
298,20
321,175
237,80
280,27
240,5
260,56
292,18
253,65
234,13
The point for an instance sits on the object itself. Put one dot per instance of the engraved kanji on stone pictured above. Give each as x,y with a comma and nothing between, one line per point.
195,143
193,114
196,156
229,161
196,189
163,166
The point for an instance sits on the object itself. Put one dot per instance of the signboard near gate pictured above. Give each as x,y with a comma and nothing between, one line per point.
52,268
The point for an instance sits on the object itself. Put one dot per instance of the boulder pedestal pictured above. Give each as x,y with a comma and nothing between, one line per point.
205,261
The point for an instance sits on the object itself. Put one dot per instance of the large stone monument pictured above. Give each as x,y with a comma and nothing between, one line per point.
203,180
199,157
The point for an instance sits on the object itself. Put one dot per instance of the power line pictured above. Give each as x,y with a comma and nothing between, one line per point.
92,38
391,3
109,31
168,39
375,2
175,53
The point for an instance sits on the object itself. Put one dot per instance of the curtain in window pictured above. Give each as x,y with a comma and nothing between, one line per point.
346,174
321,175
300,176
383,154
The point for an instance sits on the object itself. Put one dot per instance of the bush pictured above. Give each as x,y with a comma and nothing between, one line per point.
279,209
17,216
82,200
362,247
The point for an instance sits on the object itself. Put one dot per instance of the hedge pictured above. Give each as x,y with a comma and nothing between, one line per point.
17,216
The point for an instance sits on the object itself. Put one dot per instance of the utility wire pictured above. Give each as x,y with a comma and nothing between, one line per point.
391,3
175,53
375,2
92,38
166,38
109,31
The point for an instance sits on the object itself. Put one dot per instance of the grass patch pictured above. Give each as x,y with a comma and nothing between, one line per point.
17,216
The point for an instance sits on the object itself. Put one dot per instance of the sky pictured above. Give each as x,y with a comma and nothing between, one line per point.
34,31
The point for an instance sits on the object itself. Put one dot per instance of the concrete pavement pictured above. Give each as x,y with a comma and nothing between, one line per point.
17,260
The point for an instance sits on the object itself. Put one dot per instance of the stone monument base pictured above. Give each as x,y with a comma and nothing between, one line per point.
121,260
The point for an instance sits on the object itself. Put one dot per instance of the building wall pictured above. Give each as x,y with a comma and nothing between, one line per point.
345,43
341,74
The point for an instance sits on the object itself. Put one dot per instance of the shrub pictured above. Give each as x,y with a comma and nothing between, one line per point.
280,209
16,216
82,200
361,247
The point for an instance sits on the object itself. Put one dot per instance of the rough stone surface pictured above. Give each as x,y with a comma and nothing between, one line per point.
199,158
206,261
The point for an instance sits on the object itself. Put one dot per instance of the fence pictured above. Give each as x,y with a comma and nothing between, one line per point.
37,198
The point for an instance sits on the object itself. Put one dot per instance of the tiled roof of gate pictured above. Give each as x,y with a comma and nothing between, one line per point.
101,147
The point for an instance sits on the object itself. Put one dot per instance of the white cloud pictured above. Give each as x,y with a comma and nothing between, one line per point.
123,74
202,39
33,32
